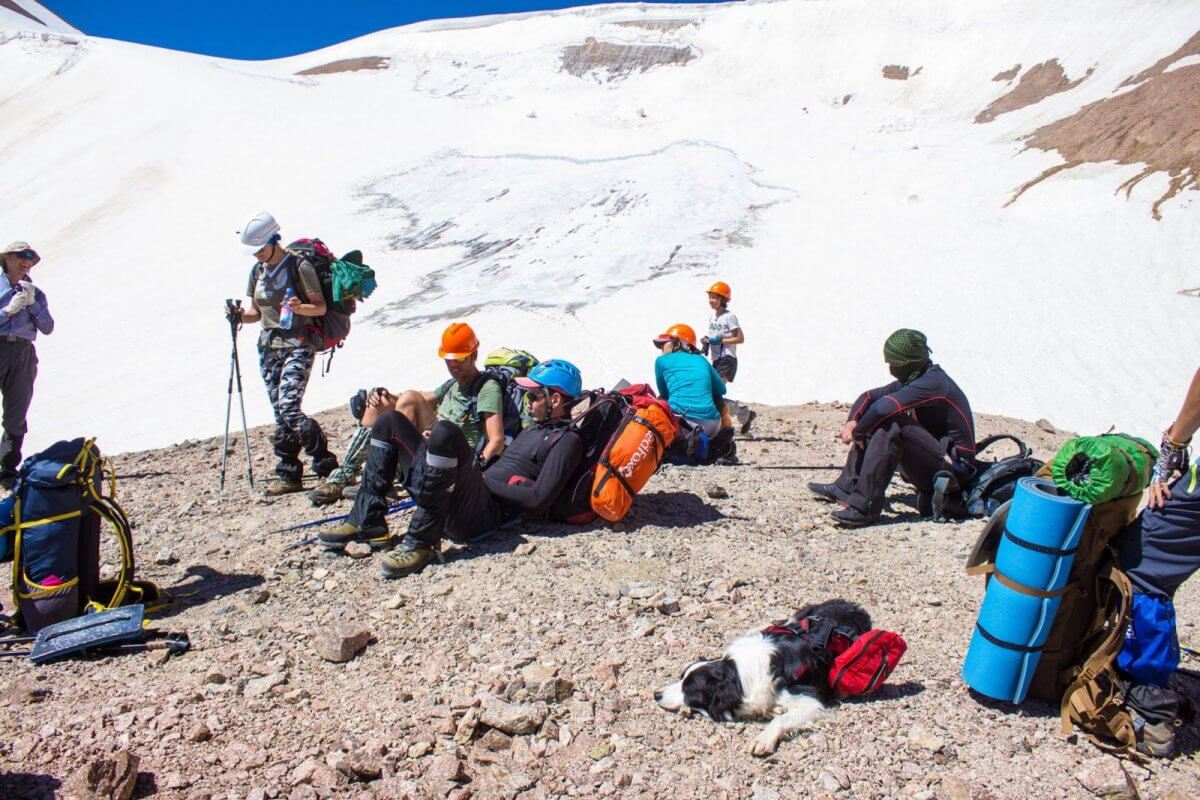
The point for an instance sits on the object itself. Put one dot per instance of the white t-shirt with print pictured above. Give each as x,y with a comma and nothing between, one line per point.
723,325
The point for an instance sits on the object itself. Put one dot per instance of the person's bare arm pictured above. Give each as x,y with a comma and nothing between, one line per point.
493,428
1173,451
250,312
736,337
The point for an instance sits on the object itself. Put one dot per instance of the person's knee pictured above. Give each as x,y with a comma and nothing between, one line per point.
447,443
413,405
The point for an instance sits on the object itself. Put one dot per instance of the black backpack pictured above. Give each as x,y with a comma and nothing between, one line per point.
595,428
993,484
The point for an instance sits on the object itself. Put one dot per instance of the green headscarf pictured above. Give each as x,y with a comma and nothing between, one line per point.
906,353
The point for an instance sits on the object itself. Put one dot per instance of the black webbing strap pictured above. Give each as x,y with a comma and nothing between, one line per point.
1037,548
1020,648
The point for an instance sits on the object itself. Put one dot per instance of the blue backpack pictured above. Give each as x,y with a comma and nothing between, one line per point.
50,529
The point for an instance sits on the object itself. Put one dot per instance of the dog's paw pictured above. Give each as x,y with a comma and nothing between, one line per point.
765,744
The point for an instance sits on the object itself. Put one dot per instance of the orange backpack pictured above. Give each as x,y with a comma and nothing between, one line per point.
633,454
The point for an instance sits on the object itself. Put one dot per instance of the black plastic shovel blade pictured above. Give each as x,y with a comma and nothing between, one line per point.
84,633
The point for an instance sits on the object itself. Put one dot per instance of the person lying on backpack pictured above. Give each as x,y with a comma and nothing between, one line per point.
468,399
687,381
1158,551
286,356
921,423
454,496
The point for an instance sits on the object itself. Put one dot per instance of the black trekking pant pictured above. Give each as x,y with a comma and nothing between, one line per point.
900,443
440,474
18,370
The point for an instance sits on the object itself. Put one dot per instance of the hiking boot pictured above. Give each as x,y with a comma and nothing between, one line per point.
410,557
746,420
850,517
326,494
280,487
337,538
827,491
358,405
1156,740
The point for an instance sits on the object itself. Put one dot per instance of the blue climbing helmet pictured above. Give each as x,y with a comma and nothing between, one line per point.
557,374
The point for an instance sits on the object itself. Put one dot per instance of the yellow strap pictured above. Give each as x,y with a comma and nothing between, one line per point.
1192,483
40,590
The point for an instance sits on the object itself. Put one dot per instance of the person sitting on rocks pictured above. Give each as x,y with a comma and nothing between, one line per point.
687,381
921,423
1158,552
455,497
468,399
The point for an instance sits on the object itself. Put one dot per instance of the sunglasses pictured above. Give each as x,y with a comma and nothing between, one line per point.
28,255
535,395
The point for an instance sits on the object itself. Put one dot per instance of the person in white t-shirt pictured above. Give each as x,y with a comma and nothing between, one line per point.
724,336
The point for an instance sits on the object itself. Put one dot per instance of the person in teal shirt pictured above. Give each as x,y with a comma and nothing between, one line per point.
688,381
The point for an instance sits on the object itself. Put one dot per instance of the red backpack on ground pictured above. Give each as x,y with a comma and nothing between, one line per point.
866,663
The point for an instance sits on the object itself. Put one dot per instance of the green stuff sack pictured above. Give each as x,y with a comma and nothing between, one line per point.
1097,469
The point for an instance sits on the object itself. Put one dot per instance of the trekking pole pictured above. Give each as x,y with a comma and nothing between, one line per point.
233,314
392,509
803,467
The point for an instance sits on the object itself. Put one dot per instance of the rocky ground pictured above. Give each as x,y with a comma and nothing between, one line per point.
525,666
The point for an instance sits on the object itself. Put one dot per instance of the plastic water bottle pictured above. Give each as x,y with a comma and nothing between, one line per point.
285,311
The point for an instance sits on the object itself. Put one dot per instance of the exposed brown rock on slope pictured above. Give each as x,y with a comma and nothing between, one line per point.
1008,74
1189,48
1038,83
348,65
620,60
12,6
895,72
1157,124
253,709
657,24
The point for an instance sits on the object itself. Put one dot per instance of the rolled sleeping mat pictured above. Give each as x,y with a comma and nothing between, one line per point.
1096,469
1033,562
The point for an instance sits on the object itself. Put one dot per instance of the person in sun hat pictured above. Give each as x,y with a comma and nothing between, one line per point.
286,356
921,423
455,497
24,313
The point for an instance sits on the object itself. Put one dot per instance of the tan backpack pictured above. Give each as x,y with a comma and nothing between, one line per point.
1077,668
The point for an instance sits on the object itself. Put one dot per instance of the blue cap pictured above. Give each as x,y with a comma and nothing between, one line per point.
557,374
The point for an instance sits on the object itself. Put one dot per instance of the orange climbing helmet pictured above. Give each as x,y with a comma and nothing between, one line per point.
458,342
683,333
722,289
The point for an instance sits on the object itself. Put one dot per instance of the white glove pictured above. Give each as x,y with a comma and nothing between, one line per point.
20,299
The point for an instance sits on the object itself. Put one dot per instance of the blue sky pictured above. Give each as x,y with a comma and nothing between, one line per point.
257,29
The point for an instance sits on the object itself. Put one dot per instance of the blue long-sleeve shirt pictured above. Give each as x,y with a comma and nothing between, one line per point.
690,384
29,320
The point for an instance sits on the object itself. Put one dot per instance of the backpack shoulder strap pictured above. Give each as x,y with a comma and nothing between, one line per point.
293,267
983,444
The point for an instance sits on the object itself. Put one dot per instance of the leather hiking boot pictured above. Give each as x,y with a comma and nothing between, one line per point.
326,494
407,559
281,487
1156,740
827,491
337,538
850,517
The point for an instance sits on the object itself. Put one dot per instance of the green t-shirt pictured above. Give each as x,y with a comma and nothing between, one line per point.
454,405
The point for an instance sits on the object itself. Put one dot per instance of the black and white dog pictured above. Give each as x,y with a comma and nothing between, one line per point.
779,667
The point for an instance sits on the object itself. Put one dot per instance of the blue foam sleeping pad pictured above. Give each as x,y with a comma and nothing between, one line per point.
1035,551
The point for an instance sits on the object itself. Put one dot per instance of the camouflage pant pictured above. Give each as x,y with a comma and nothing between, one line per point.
353,459
285,371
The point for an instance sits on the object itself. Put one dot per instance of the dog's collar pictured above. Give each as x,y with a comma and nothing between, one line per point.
822,632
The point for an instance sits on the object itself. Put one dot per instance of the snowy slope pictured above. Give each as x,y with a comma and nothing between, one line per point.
26,15
571,181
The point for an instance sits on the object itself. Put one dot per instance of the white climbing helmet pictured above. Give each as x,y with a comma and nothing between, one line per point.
257,233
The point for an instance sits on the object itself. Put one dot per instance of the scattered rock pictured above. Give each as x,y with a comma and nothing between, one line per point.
638,591
512,718
358,550
419,749
717,492
1106,778
925,739
1046,425
363,764
23,691
320,574
445,769
198,733
603,750
105,778
342,641
260,597
668,605
394,602
260,686
166,557
525,549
